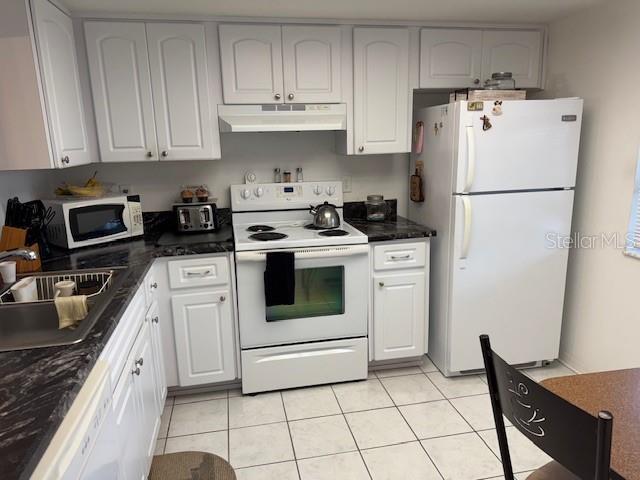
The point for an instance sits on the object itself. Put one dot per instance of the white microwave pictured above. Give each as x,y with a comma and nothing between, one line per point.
90,221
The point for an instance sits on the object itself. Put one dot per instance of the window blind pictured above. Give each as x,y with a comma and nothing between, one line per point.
633,235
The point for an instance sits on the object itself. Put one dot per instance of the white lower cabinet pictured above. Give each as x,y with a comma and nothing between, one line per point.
204,333
400,293
398,303
138,397
153,318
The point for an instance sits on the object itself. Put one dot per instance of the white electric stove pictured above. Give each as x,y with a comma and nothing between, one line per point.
322,336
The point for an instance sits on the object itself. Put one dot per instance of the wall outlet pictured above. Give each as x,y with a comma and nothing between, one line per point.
346,184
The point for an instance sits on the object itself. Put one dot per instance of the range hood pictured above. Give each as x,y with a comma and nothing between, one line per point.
282,117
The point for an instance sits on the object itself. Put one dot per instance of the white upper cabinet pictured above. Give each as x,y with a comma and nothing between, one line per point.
251,58
381,90
463,58
311,62
178,63
519,52
57,48
450,58
121,85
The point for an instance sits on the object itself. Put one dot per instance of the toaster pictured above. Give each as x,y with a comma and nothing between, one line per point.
196,217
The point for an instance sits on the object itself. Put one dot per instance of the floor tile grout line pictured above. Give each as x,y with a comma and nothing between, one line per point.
293,447
355,442
228,429
415,435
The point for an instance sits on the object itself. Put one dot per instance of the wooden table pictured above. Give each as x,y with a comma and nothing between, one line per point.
617,391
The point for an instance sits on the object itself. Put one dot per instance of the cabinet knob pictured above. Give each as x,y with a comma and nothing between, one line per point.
149,154
135,371
222,298
361,148
277,96
155,319
66,159
154,285
290,96
476,81
140,362
165,154
381,284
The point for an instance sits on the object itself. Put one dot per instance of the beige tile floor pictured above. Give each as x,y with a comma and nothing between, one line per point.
405,424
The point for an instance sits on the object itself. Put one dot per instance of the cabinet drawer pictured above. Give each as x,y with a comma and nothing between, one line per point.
293,366
198,272
399,255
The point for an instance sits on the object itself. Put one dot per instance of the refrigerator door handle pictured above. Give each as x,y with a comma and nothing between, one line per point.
466,232
471,158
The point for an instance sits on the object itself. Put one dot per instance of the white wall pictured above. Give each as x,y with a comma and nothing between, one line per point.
159,183
594,55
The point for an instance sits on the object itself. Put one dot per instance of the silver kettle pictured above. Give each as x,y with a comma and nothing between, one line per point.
325,216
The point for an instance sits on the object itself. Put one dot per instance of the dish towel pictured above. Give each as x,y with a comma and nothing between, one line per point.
71,310
280,279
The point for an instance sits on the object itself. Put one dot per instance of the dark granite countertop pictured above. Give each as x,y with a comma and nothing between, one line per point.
38,386
394,227
398,228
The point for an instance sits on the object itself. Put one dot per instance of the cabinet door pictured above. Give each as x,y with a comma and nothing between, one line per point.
251,58
128,425
381,90
178,63
203,326
146,393
59,68
399,315
121,86
519,52
450,58
158,359
311,63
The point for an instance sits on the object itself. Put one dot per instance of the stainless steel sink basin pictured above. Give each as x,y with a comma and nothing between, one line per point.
34,325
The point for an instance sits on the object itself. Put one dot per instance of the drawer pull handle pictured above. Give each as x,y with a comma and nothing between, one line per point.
135,371
140,361
199,274
154,285
155,319
401,257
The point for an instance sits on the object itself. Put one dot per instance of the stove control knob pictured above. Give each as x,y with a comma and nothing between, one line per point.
317,189
331,190
246,193
259,192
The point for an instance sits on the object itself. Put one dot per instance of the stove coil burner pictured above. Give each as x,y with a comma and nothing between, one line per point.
266,236
311,226
260,228
333,233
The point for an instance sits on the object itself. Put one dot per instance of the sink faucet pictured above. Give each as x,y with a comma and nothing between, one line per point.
23,253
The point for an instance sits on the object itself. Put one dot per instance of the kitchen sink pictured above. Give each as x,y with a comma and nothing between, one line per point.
35,324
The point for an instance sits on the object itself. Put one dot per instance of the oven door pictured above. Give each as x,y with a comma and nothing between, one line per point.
331,297
97,222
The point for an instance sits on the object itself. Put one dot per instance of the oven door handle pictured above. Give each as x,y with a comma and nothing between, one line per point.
306,253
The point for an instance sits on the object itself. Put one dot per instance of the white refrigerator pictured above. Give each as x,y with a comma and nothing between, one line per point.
499,186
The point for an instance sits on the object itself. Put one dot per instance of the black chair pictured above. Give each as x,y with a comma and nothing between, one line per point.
579,442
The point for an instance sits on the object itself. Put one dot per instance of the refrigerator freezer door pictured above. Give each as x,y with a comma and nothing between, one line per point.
507,279
532,144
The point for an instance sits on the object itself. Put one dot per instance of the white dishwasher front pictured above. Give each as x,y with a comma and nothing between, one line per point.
84,444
